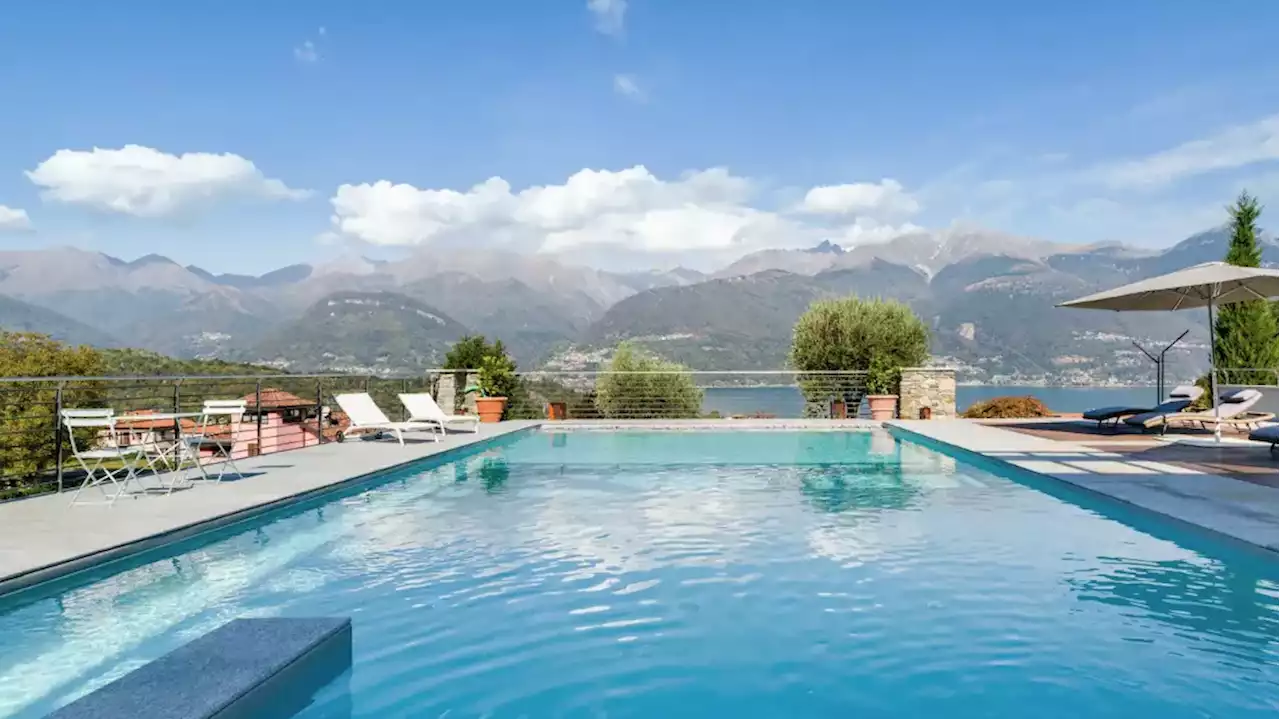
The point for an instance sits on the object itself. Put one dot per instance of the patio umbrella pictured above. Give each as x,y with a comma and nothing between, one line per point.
1206,285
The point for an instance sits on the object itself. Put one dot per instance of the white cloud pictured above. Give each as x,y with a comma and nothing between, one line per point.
630,211
141,181
306,52
884,198
13,218
1233,147
626,86
610,15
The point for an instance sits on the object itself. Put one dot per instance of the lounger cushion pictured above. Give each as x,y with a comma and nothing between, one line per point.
1102,413
1173,406
1237,396
1267,433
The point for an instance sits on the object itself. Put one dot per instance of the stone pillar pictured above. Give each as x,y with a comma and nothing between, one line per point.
447,393
932,387
469,399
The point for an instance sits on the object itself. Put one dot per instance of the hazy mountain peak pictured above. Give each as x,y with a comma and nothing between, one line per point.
152,259
826,247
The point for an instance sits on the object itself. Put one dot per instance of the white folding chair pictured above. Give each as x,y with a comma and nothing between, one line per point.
223,450
105,447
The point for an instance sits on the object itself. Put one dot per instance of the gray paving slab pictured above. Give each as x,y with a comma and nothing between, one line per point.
1241,510
43,537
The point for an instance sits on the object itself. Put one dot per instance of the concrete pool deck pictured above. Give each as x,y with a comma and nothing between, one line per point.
42,538
1188,492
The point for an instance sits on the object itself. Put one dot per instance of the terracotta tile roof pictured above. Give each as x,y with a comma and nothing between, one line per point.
273,398
134,424
213,431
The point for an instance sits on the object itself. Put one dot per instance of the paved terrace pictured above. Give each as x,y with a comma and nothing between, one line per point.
1190,491
43,537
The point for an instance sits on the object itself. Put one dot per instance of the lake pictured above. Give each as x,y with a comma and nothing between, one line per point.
786,401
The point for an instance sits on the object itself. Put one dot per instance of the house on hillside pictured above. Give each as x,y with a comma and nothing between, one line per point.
279,420
273,422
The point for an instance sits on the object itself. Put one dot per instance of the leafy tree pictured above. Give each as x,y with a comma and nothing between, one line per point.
470,351
641,385
846,333
28,411
849,334
1245,332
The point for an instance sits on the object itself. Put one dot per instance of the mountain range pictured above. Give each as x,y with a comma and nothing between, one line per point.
989,298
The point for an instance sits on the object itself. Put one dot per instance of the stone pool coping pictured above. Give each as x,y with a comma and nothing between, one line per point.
43,539
1224,506
712,425
255,667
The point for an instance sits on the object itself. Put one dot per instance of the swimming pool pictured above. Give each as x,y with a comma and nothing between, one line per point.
701,574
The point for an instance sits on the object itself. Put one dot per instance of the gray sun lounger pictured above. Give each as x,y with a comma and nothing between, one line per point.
1179,399
1233,409
1267,433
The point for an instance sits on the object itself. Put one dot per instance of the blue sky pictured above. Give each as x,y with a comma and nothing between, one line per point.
705,129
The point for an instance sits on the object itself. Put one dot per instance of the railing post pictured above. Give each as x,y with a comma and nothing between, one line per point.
57,432
319,410
257,410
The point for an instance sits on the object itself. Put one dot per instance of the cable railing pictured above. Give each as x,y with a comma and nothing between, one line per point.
294,411
691,394
283,412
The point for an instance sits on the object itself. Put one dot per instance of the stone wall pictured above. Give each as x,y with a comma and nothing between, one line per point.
932,387
447,392
469,399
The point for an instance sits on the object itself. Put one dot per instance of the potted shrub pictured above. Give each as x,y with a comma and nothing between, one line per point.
882,387
556,410
494,383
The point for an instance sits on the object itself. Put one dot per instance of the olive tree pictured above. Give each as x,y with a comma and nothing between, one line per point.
640,385
851,334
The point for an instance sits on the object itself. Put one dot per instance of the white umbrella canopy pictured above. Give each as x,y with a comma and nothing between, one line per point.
1213,283
1206,285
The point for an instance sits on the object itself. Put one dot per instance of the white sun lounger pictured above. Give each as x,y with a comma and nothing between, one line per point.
366,417
423,408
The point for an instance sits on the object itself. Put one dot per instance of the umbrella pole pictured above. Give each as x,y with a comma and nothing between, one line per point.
1213,378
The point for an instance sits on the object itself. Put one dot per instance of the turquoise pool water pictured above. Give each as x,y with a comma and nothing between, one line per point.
687,574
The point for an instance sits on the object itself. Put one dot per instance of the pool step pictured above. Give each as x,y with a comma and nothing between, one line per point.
263,668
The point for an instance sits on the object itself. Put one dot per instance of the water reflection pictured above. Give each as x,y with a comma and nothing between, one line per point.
1204,597
494,473
490,469
875,483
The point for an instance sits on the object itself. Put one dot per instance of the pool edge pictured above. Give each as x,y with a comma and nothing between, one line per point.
1004,465
29,580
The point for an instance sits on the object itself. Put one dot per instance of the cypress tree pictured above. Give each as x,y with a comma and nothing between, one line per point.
1245,332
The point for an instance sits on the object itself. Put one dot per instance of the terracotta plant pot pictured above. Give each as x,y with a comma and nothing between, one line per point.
555,410
838,410
490,408
883,406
